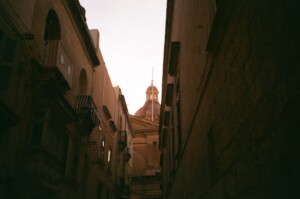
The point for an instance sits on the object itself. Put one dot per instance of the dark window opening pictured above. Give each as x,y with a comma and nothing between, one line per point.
52,29
178,123
37,134
8,52
75,159
9,49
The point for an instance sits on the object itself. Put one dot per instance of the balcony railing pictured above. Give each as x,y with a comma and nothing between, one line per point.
56,65
86,113
122,139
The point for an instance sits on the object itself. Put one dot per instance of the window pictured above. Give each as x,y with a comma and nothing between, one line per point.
178,137
63,148
75,150
121,123
38,128
212,157
101,148
8,52
99,192
109,155
55,134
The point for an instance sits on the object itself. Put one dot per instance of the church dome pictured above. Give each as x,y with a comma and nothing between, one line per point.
151,108
149,89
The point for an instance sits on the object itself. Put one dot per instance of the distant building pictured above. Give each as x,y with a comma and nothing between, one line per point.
146,154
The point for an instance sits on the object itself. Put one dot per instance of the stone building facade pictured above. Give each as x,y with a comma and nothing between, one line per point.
109,147
55,97
229,122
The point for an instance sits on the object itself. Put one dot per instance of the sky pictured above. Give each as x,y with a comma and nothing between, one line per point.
131,41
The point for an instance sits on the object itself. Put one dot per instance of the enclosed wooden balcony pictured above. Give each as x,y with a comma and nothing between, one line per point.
56,67
86,113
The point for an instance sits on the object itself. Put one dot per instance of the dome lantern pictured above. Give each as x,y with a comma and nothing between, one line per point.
151,108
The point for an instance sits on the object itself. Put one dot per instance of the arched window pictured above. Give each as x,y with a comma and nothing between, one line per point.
51,40
52,29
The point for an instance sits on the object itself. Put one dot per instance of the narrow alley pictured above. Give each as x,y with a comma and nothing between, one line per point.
223,124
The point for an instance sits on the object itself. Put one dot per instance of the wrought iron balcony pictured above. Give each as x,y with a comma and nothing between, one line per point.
86,113
122,139
56,67
127,154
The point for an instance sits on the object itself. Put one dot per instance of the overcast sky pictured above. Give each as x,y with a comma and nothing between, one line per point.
131,41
